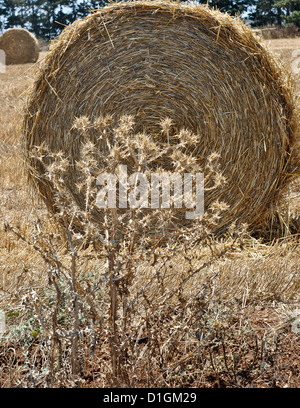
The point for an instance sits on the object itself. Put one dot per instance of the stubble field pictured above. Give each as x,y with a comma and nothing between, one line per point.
261,276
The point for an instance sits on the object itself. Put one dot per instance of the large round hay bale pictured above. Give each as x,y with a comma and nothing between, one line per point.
203,69
20,46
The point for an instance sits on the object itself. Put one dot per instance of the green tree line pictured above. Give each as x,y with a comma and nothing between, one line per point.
46,18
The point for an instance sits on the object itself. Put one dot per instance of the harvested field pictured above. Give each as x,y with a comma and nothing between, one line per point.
245,335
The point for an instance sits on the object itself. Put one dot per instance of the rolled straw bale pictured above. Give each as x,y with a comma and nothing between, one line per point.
203,69
20,46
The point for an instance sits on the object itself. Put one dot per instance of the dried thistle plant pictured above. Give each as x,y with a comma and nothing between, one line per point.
123,245
145,301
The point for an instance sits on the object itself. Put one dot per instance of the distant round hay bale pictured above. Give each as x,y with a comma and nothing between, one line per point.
20,46
203,69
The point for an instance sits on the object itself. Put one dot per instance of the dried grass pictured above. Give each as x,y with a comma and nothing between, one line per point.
20,46
230,325
187,315
203,69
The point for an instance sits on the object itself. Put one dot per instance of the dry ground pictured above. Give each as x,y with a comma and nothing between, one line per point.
264,277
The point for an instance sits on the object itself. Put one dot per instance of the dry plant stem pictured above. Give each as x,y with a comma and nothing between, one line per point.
56,342
111,260
170,293
75,334
142,291
39,312
54,261
113,315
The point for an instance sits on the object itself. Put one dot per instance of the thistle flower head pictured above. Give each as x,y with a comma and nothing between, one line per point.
81,123
103,122
166,125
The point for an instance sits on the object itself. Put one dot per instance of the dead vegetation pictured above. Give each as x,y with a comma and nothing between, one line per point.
271,33
195,313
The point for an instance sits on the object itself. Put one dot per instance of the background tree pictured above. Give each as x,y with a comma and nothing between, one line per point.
14,12
230,6
289,10
264,13
47,18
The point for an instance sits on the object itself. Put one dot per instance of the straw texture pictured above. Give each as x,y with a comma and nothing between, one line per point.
20,46
203,69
